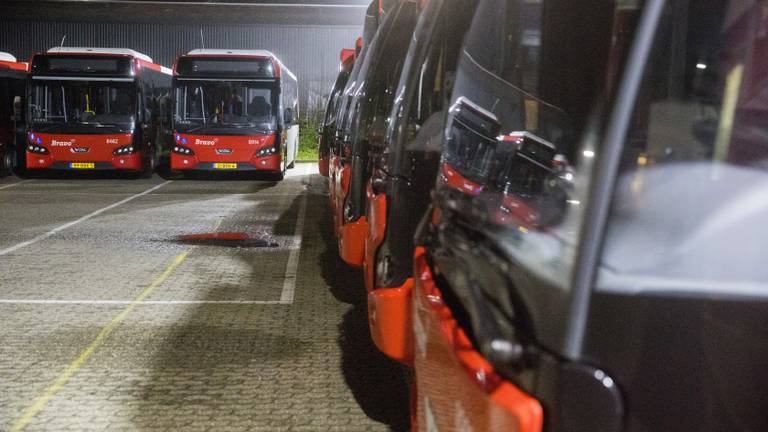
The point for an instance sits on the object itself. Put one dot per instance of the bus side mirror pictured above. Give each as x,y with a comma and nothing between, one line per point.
17,108
288,116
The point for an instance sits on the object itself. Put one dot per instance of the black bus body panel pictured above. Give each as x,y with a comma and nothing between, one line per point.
689,357
373,105
411,159
12,86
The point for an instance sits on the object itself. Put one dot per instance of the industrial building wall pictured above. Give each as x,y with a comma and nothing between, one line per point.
311,52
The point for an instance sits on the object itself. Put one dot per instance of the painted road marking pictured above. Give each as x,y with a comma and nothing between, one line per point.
76,364
14,184
291,268
58,229
286,295
141,303
164,194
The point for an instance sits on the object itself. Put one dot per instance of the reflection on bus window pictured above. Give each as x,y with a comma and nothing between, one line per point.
522,128
83,102
226,104
691,201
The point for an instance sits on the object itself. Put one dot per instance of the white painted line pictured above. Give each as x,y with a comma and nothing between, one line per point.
160,195
291,269
58,229
242,4
144,302
14,184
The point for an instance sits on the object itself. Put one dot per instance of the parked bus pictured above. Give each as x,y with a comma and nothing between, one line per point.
234,110
337,175
366,124
12,88
405,167
593,257
96,109
328,129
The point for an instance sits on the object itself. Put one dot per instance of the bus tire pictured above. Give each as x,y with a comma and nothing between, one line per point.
20,163
278,176
9,159
173,175
152,165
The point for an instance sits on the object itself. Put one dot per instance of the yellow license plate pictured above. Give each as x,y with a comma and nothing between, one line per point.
82,165
225,166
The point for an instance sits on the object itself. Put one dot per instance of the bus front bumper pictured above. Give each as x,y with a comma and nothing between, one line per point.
266,163
131,162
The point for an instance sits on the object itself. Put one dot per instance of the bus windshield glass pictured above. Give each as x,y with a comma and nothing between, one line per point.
225,107
61,105
691,200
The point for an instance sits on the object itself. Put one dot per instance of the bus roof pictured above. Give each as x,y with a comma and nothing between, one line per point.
213,52
9,62
6,57
232,52
88,50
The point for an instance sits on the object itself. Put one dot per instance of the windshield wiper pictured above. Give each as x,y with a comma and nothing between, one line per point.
98,124
197,128
47,128
229,125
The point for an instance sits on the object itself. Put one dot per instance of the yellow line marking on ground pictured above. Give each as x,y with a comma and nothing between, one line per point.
73,367
8,186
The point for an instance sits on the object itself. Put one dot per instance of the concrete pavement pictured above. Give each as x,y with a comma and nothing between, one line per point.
114,320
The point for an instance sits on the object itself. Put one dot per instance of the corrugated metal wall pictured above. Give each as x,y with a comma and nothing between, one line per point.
311,52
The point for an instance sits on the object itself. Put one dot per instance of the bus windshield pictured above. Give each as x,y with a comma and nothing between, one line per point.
66,104
218,106
691,201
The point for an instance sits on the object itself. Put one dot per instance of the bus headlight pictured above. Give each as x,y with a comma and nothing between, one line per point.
183,150
34,148
268,151
124,150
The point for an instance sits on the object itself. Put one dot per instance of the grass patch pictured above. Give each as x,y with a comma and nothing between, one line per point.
307,141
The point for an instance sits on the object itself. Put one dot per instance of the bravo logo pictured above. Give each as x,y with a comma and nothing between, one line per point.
205,142
112,141
55,143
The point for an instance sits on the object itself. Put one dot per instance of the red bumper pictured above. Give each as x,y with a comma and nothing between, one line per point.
390,321
323,165
182,162
456,389
377,222
130,162
352,241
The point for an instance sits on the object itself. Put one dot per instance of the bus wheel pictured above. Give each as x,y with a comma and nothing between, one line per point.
8,162
283,166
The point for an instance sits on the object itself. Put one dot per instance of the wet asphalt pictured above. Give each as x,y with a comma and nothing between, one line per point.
198,304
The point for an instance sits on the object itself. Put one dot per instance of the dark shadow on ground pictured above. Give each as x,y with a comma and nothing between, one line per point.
165,173
227,366
379,384
78,175
265,365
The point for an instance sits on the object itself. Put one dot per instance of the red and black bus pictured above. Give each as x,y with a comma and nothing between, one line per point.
338,168
234,110
96,109
365,123
593,256
404,169
13,77
328,129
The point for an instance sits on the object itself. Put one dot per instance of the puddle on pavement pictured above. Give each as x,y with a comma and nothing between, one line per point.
229,239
